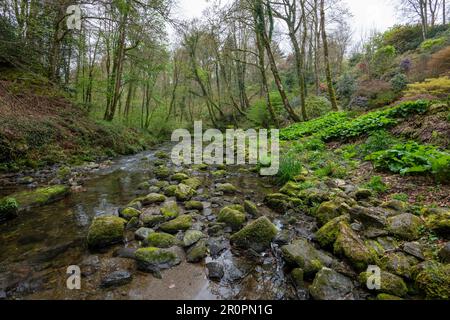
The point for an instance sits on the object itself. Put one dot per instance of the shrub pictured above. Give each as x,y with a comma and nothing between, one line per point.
259,114
439,87
333,170
317,106
378,141
429,44
399,82
439,63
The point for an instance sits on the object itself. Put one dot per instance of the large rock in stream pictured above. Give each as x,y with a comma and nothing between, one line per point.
106,231
331,285
153,259
257,235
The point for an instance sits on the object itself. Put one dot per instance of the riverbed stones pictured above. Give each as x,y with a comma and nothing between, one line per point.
143,233
330,210
301,253
278,202
106,231
197,252
129,213
415,249
184,192
8,209
155,259
160,240
215,271
349,245
191,237
390,283
116,279
331,285
232,218
150,220
438,221
405,226
398,263
181,223
194,205
257,235
170,210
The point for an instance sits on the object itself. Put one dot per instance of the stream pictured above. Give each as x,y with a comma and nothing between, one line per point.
39,246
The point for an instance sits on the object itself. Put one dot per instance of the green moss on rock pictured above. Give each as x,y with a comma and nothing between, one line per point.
170,191
162,172
232,218
40,197
191,237
130,213
194,205
155,259
226,188
197,252
257,235
8,209
405,226
170,210
106,231
182,223
179,177
194,183
327,235
330,210
184,192
251,208
161,240
348,244
434,280
153,198
390,283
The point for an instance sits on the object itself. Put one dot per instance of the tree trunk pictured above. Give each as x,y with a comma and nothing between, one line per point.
331,91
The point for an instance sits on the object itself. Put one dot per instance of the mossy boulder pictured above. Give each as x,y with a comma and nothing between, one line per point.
130,213
257,235
170,210
197,252
330,210
160,240
194,183
362,194
106,231
179,177
251,208
226,188
331,285
143,233
194,205
170,191
191,237
184,192
313,196
434,280
405,226
40,197
327,235
8,209
297,276
291,189
144,186
398,263
153,198
162,172
278,202
390,283
301,253
370,217
182,223
438,221
396,205
156,259
201,167
349,245
232,218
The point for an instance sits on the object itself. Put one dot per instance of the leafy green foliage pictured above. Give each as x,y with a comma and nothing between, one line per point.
413,158
308,128
399,82
317,106
377,185
259,114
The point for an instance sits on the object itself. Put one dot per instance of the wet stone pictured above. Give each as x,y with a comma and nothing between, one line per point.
215,271
116,279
